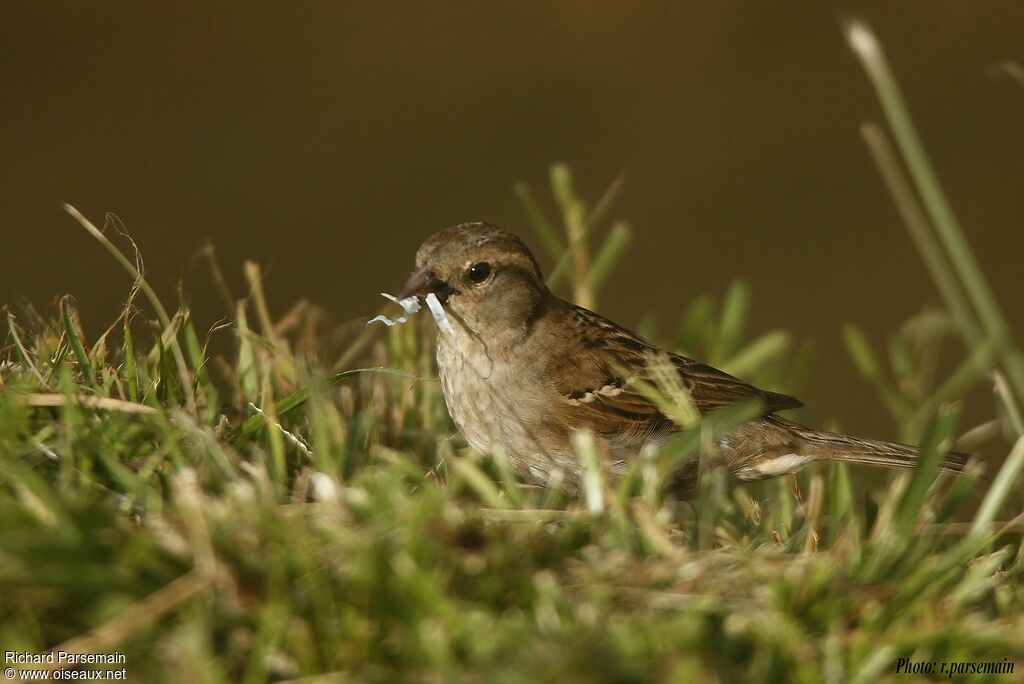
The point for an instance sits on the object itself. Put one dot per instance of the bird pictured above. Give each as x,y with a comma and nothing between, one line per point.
524,370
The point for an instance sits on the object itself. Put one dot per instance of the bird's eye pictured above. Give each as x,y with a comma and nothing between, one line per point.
479,271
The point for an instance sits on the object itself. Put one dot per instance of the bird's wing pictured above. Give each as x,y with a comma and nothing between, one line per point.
712,388
597,382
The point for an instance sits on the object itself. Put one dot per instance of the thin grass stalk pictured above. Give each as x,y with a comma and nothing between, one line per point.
608,199
756,354
916,222
209,253
158,307
539,221
75,340
960,381
593,475
936,441
254,277
1006,482
577,229
1013,412
22,352
475,479
610,253
735,306
130,369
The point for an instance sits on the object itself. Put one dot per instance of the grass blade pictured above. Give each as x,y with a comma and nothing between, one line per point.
75,340
936,443
539,221
1007,481
870,52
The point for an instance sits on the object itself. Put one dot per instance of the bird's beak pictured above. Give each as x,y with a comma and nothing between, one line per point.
422,282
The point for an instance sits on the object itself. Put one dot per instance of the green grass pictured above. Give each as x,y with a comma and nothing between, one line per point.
274,517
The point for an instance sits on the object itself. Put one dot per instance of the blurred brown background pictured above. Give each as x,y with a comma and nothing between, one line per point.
326,140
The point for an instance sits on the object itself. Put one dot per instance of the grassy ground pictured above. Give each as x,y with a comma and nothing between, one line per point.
276,517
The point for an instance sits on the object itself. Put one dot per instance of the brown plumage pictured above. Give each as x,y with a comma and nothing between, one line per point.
524,369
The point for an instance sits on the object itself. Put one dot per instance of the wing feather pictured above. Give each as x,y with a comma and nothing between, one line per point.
596,389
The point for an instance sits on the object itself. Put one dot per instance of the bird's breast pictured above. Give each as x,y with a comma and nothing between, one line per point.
498,399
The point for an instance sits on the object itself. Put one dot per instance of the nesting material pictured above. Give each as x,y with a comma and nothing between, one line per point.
439,315
410,306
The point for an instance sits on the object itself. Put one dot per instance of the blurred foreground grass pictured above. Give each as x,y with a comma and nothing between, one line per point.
302,511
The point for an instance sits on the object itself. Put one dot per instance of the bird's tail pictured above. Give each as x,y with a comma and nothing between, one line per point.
838,447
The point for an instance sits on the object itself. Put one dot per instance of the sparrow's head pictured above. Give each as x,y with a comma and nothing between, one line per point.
483,274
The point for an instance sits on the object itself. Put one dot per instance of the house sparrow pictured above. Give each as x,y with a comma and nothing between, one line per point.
524,369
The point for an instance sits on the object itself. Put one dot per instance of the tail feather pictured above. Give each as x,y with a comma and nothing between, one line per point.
774,446
837,447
